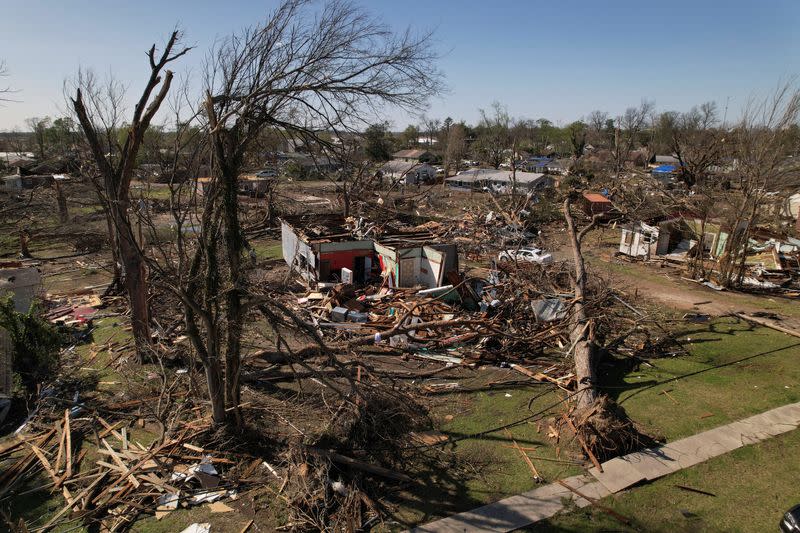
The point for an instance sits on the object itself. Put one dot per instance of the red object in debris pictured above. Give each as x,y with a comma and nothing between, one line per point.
82,313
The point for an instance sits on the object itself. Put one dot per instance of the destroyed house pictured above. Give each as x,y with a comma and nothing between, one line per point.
674,237
499,181
324,251
411,261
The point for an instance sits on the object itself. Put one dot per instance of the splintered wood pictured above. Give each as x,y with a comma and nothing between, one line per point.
125,480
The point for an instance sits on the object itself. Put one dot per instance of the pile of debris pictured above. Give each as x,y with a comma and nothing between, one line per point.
122,478
495,317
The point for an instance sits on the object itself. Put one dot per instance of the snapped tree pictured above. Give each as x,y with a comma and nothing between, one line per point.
98,110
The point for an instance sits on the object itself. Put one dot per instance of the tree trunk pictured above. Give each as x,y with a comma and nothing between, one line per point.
581,332
134,277
215,393
233,303
63,213
24,239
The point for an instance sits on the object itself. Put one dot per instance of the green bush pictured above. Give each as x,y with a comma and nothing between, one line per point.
36,344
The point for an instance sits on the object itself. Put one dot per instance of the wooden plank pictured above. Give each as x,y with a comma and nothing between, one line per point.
110,429
45,463
68,437
54,520
535,472
121,463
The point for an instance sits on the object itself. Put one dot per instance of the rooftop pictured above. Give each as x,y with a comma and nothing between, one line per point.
596,198
408,154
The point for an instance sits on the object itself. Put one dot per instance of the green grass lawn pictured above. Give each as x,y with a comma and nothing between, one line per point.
266,250
734,371
487,467
752,486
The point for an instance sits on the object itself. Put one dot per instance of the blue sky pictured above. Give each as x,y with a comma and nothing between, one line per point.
554,59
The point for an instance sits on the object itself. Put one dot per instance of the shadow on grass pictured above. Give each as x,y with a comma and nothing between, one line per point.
614,383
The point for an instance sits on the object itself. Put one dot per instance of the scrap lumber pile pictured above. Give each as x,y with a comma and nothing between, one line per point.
114,479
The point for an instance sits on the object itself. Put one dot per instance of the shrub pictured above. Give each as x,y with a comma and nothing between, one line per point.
36,345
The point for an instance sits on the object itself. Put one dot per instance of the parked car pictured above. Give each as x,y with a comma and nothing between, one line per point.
791,520
268,173
528,255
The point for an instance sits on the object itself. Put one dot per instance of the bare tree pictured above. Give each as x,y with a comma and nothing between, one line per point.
598,121
629,126
302,74
764,151
493,134
4,90
98,110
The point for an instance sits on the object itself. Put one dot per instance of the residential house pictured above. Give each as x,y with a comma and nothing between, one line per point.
500,181
639,240
408,172
322,249
596,204
675,237
413,156
558,167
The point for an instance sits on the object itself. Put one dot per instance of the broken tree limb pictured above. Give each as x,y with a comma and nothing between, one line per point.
595,503
361,465
768,324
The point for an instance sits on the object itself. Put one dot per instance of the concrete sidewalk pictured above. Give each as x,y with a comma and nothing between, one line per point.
619,473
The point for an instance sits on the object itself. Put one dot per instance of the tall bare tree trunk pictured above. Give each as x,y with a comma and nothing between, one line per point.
581,331
233,308
134,278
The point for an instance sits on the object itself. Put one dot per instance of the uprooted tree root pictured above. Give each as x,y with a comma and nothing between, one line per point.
605,430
